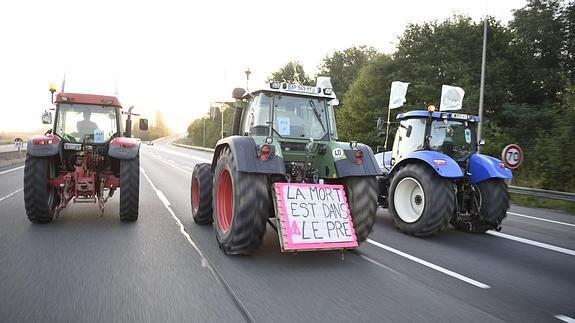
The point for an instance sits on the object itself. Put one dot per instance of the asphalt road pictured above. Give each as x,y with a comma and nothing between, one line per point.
84,268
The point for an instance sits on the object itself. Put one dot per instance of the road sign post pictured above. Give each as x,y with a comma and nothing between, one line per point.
512,156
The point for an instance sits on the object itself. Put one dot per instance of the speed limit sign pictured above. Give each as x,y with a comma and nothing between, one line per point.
512,156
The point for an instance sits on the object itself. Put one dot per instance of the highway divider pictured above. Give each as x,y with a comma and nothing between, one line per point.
210,150
12,157
537,192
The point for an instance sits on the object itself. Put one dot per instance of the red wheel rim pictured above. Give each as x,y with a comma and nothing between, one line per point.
195,194
225,202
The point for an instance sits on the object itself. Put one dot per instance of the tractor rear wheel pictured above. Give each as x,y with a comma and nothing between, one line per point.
40,198
492,200
421,202
129,189
361,195
241,205
201,194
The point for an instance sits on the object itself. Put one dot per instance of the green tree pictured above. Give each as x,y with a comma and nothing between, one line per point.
449,52
553,156
344,66
539,34
568,18
365,100
213,128
292,72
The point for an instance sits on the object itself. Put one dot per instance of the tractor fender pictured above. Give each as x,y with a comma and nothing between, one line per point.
483,167
442,164
124,148
384,161
44,145
244,150
349,167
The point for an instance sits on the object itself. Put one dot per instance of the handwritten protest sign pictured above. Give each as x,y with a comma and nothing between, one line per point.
313,217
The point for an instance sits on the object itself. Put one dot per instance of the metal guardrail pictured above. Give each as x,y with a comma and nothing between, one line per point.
537,192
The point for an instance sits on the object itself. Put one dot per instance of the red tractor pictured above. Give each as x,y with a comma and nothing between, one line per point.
85,157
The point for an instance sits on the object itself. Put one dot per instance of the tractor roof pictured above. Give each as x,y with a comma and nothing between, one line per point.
94,99
437,115
298,89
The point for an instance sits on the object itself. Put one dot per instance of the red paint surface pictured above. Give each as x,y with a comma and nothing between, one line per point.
88,99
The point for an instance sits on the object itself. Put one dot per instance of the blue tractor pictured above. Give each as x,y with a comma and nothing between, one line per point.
434,175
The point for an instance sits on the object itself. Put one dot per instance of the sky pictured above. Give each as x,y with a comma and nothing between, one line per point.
178,56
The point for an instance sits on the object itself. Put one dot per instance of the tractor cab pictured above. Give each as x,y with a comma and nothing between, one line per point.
294,112
87,123
300,119
434,174
452,134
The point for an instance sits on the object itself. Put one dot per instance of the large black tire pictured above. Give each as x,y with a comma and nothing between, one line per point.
361,195
493,199
241,205
129,189
40,199
201,194
421,202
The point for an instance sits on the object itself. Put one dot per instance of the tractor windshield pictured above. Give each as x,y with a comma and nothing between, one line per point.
453,138
300,117
92,123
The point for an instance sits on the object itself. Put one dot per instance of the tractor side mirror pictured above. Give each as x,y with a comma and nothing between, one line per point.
380,149
143,124
408,132
481,142
47,117
238,93
380,124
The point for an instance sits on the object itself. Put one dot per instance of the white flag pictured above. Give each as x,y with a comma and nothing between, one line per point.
451,98
397,94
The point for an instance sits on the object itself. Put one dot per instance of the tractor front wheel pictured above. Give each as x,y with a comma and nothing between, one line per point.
492,201
201,194
129,189
240,206
40,198
421,202
361,195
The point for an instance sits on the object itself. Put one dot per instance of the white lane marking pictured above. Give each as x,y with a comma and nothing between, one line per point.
377,263
565,318
541,219
205,262
166,203
430,265
11,170
533,243
7,196
173,164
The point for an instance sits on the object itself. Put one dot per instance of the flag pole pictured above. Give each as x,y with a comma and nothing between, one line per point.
387,130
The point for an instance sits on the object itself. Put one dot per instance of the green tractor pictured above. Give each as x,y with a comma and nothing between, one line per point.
284,161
